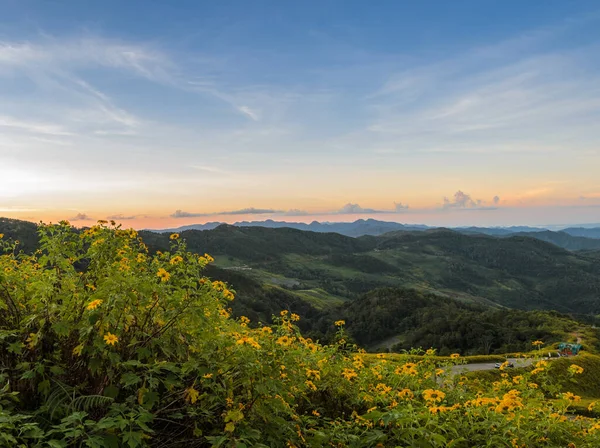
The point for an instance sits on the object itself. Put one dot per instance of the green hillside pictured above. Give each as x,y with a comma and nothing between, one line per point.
518,272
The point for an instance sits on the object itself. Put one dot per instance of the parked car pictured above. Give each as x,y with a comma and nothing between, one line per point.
509,364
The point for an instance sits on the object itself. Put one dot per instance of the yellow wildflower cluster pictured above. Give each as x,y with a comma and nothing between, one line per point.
410,368
249,341
575,369
93,304
510,401
349,374
163,275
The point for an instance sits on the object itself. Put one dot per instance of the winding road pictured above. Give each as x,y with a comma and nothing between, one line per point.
518,362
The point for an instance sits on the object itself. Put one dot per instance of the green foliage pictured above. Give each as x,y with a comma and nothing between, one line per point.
104,345
420,319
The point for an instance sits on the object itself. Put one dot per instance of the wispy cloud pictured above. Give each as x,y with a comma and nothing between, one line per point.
81,217
33,127
121,217
351,209
243,211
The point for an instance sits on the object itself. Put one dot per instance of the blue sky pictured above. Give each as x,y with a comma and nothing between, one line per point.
467,112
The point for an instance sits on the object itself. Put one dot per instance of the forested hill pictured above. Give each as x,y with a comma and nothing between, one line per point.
518,271
328,268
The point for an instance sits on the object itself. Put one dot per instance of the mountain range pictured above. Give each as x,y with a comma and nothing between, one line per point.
371,226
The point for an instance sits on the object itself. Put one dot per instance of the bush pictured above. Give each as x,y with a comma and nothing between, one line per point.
102,345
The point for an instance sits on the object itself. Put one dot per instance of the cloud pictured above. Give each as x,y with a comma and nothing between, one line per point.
243,211
461,200
295,212
33,127
249,112
81,217
399,207
464,201
350,209
251,211
121,217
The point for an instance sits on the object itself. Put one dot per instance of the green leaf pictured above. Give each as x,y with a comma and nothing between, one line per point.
16,348
111,391
133,439
129,379
44,387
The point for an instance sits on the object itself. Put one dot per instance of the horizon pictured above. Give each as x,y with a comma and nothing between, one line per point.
161,116
349,219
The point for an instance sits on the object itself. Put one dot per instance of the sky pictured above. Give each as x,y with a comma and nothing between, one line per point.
160,114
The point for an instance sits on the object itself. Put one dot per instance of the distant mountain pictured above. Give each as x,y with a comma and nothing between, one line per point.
584,232
357,228
499,231
573,238
563,239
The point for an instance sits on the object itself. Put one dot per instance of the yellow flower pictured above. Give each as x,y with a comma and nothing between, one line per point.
537,343
191,395
310,385
110,339
571,397
349,374
174,236
207,375
176,260
244,320
339,323
283,313
209,258
433,395
266,330
284,340
228,294
410,368
32,340
94,304
77,350
249,341
383,389
295,317
575,369
405,394
454,355
313,373
164,275
316,414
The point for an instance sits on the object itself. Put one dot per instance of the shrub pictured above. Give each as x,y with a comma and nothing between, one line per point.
102,345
